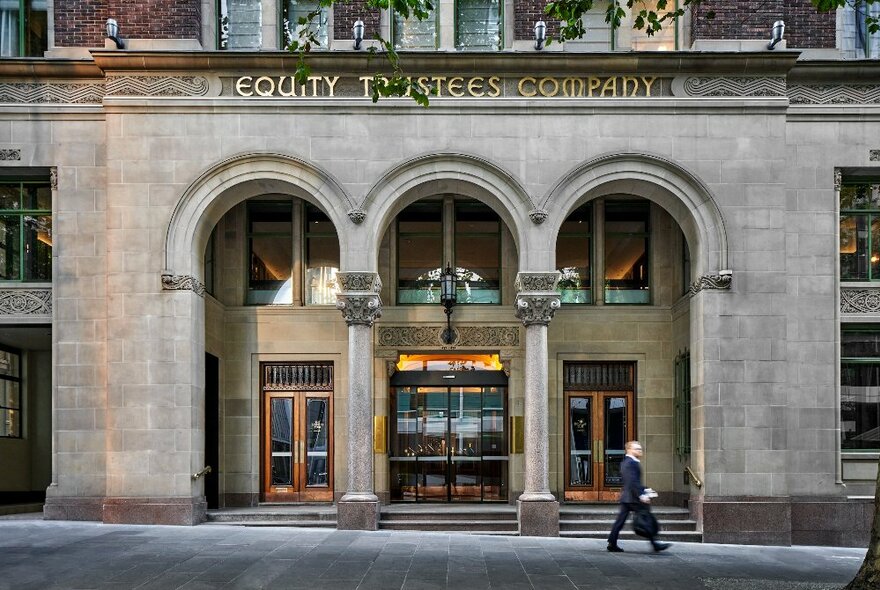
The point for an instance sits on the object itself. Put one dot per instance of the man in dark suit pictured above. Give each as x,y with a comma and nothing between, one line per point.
632,496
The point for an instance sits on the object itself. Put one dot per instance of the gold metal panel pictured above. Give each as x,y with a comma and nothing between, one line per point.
380,429
517,434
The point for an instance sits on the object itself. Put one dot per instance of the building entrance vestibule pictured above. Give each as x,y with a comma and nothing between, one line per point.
448,435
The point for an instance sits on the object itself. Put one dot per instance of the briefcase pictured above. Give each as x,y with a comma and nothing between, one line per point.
645,524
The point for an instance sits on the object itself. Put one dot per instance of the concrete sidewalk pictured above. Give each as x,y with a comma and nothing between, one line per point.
47,555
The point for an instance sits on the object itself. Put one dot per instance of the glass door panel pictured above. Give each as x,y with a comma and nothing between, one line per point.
433,448
282,443
580,441
465,417
317,448
494,444
615,429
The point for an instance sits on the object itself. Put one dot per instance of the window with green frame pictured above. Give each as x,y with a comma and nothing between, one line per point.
478,25
24,28
627,240
681,407
574,248
412,33
860,387
25,231
10,393
270,252
475,252
860,230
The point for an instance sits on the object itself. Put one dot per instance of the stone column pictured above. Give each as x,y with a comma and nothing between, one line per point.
536,302
360,305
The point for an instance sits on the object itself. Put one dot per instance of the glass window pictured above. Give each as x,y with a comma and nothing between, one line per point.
322,258
10,394
294,11
855,39
412,33
477,253
478,25
627,235
24,28
573,252
25,231
270,247
419,253
860,231
240,24
681,417
860,388
210,263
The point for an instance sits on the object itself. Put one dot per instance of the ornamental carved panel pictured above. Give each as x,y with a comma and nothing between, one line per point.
857,300
719,281
44,92
13,154
742,86
834,94
359,281
537,281
157,86
26,302
432,336
183,283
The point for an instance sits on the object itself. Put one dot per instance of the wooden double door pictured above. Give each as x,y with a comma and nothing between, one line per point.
598,424
297,446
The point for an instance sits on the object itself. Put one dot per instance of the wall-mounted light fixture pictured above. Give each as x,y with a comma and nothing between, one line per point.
357,32
776,34
540,34
113,33
448,299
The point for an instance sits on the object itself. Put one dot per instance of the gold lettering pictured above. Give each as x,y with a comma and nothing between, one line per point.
473,85
366,81
455,87
635,83
438,84
555,87
315,80
493,84
521,87
240,85
570,84
648,84
593,83
423,85
281,91
269,92
331,83
408,85
610,85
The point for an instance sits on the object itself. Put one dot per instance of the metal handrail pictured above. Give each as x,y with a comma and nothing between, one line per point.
201,473
693,477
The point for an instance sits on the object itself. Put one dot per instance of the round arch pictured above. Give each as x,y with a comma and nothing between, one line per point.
442,173
678,191
234,180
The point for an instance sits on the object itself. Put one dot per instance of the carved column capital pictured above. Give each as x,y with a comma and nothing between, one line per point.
537,299
359,299
537,281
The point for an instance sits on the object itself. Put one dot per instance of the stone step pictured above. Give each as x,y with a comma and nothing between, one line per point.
280,523
245,515
605,525
671,536
610,513
471,526
14,509
448,515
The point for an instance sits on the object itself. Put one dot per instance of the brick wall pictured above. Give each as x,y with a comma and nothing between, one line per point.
526,14
753,19
80,23
344,15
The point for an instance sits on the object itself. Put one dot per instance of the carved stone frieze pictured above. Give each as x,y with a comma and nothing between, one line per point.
874,155
859,300
718,281
746,86
47,92
182,283
13,154
357,215
834,93
157,86
359,309
359,281
538,216
432,336
536,309
28,302
537,281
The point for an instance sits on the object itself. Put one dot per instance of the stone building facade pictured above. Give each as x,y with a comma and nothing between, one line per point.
207,263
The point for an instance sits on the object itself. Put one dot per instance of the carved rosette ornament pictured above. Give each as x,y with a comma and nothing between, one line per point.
357,215
720,281
874,155
538,216
537,299
27,302
359,299
182,283
859,300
